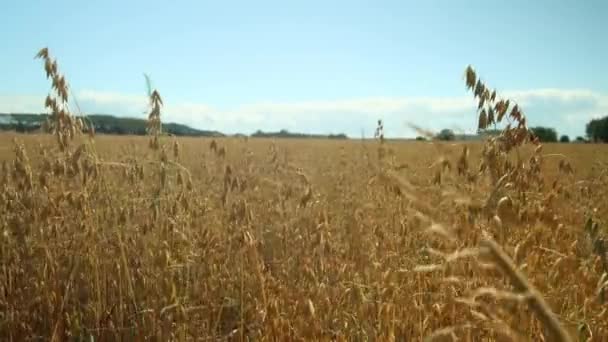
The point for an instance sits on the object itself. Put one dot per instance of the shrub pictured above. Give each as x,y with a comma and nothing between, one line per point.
545,134
597,129
446,135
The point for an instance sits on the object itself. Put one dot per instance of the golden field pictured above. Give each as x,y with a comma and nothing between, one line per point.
290,240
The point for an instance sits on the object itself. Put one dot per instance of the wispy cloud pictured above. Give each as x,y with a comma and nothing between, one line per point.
21,104
565,109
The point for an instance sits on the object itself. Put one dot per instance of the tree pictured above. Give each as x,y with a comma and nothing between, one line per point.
446,135
489,132
580,139
20,127
564,139
597,130
545,134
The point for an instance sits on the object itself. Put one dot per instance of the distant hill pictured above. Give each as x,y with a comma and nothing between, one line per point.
286,134
109,124
104,124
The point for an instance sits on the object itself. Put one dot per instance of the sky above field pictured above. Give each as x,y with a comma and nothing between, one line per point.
312,66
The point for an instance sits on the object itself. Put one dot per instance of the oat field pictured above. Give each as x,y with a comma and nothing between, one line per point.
290,240
106,238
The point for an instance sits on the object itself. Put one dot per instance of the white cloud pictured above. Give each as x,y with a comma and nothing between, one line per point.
21,103
565,95
565,109
91,101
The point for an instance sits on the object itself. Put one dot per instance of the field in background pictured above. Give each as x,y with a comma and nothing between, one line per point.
291,240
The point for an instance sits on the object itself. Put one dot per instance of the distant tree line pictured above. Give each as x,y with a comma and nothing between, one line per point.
19,127
104,124
286,134
108,124
596,131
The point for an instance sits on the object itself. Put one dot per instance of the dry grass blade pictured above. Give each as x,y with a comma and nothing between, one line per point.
536,301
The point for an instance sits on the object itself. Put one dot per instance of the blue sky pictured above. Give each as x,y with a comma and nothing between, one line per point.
312,66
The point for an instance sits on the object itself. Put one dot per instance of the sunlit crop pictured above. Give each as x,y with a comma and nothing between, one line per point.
163,238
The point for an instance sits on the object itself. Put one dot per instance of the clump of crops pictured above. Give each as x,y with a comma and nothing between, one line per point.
230,239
